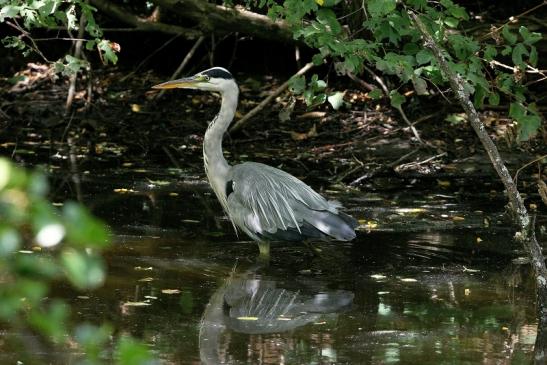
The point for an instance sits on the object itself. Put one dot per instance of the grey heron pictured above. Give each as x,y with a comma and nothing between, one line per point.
264,202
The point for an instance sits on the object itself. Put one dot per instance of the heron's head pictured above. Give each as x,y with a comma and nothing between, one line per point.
214,79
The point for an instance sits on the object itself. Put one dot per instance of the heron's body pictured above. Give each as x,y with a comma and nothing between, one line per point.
264,202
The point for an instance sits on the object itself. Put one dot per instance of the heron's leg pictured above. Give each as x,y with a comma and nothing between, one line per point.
264,249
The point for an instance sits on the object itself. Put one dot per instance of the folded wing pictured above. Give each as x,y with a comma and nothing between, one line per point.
268,203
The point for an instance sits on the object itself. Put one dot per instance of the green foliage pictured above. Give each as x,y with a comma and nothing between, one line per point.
55,13
388,40
131,352
314,92
39,245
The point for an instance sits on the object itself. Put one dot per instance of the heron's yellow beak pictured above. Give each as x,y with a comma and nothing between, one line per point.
184,83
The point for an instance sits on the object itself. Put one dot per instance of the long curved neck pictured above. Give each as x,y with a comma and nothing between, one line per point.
216,166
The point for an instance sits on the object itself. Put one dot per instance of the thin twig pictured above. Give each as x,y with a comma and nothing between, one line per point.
382,84
183,64
512,19
240,123
361,82
378,79
410,125
27,35
525,166
165,44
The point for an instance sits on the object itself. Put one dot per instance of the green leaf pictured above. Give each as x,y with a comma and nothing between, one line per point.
479,95
517,111
36,267
379,8
396,99
527,120
82,228
458,12
420,86
455,118
85,271
490,52
9,11
11,176
328,17
533,58
336,100
529,37
506,51
93,340
494,98
528,127
375,94
318,59
107,49
411,48
297,84
508,35
46,224
518,51
10,240
38,185
32,291
424,56
451,22
52,321
132,352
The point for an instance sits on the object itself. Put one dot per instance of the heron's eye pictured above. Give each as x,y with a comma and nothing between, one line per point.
206,78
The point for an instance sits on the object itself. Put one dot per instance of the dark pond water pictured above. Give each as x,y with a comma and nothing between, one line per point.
429,280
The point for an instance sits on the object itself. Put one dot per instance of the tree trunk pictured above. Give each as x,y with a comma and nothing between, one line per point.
206,17
221,19
115,11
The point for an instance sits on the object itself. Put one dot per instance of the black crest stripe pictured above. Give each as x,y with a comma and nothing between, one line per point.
218,73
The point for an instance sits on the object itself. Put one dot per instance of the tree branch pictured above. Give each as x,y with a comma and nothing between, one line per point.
110,8
526,235
240,123
221,19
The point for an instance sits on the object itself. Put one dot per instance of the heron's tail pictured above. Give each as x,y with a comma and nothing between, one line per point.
339,226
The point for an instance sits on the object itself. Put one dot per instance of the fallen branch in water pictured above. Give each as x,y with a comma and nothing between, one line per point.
526,234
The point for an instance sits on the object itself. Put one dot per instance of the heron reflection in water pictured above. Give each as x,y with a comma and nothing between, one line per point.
264,202
249,304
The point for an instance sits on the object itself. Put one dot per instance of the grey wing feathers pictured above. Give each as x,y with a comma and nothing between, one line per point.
269,203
